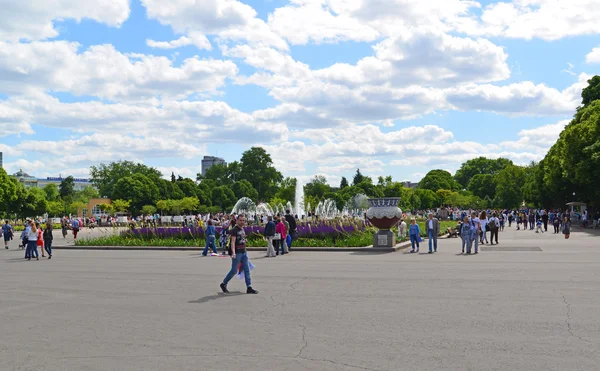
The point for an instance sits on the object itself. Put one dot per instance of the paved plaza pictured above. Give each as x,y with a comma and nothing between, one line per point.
532,306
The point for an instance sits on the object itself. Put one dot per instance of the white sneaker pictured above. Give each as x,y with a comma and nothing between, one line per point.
213,254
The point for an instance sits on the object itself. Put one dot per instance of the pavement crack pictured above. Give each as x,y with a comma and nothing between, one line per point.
568,321
305,343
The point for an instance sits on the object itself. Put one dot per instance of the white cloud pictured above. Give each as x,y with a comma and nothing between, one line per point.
313,21
540,138
519,99
593,56
104,72
197,39
34,20
528,19
431,58
228,19
197,121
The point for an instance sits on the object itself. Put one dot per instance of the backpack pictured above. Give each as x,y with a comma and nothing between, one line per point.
492,224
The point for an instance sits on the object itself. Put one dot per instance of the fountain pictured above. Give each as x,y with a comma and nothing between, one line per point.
326,209
264,209
384,214
299,199
244,206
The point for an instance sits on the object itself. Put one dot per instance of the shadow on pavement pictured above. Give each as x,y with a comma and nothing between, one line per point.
207,299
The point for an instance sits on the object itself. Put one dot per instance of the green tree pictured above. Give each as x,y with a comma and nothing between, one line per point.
188,187
173,179
592,91
483,185
148,210
344,183
33,203
509,187
51,191
9,194
427,198
256,166
138,189
121,205
479,165
105,177
358,177
190,204
86,194
67,188
438,179
169,190
287,190
224,198
243,188
317,187
55,208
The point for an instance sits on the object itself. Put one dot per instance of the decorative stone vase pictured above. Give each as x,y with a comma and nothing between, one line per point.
384,213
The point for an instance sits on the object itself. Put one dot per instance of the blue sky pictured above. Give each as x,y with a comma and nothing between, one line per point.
326,86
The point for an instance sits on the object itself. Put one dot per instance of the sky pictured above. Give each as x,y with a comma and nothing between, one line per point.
393,87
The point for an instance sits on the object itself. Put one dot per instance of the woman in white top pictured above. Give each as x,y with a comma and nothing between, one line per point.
484,221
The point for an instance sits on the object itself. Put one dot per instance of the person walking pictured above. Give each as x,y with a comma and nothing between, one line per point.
566,229
269,235
483,220
524,221
556,223
465,235
402,229
415,234
75,226
475,231
40,238
210,233
239,256
48,238
64,226
31,242
432,229
280,229
545,218
7,233
292,233
494,228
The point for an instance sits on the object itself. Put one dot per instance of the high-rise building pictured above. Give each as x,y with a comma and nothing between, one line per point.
209,161
1,165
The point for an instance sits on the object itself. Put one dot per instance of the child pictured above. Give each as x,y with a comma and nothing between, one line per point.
415,235
539,226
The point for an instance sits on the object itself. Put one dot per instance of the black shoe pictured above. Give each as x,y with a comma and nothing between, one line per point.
250,290
49,256
224,288
431,252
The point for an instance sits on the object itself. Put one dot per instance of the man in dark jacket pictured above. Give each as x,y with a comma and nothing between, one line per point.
269,234
292,222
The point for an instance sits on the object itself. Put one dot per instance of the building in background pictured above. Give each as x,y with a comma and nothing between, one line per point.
29,181
209,161
411,185
1,164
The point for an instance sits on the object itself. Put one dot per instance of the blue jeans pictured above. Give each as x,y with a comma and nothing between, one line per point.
48,246
475,239
243,259
414,239
31,250
432,240
210,241
466,242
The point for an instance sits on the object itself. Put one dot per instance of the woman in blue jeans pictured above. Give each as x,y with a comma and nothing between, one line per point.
414,233
210,238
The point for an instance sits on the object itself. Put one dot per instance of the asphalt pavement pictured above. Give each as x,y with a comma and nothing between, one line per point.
531,304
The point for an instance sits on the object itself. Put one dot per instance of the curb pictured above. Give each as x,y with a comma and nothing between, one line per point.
398,247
